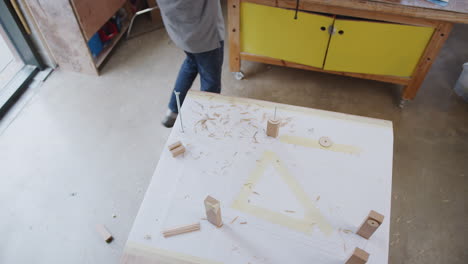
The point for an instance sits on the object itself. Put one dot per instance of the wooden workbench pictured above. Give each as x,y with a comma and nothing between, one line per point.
385,40
283,200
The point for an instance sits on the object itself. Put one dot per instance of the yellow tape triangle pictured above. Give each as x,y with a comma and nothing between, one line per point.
312,215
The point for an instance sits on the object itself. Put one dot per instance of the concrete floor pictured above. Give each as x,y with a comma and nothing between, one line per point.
84,148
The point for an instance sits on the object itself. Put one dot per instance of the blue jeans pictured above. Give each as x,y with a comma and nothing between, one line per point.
208,65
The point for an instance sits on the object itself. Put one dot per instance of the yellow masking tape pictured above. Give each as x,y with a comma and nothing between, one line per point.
312,215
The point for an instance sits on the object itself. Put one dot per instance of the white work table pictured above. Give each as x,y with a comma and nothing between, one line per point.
283,200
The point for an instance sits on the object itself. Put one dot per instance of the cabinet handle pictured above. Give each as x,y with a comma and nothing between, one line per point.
341,32
323,28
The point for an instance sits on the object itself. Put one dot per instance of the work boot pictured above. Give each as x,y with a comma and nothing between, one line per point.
169,119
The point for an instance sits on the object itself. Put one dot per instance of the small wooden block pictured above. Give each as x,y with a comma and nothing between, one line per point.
181,230
175,145
370,224
178,151
104,233
273,128
359,257
213,211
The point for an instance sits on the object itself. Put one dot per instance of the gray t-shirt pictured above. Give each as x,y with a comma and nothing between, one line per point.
194,25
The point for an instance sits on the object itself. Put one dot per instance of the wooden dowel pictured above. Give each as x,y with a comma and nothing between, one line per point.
181,230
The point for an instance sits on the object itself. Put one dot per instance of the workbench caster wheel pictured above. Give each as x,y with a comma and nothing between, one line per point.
403,103
239,76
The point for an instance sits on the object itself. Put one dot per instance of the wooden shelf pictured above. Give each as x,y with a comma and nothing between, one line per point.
99,60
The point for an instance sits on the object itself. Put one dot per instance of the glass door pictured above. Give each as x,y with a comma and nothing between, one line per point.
19,61
10,61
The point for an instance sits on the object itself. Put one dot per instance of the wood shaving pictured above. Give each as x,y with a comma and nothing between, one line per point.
243,223
318,198
233,220
256,193
285,121
202,122
254,138
347,231
290,211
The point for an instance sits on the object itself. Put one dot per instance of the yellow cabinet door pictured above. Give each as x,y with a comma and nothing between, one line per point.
376,47
273,32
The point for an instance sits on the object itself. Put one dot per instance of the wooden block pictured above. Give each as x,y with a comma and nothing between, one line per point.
376,216
370,224
178,151
359,257
175,145
181,230
104,233
213,211
273,128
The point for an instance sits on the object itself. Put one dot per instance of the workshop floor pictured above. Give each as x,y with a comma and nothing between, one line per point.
84,148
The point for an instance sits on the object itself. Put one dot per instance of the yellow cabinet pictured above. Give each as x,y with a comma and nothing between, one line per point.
273,32
376,47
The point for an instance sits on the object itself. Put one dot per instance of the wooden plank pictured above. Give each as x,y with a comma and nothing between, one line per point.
459,6
337,10
57,23
92,15
382,78
433,48
234,33
456,13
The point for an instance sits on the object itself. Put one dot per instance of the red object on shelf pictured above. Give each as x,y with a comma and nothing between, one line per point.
108,31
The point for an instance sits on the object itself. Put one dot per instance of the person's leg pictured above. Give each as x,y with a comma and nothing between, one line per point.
187,74
210,66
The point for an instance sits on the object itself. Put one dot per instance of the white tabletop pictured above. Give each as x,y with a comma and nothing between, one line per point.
283,200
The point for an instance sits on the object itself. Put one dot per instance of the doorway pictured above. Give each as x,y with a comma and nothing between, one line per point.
19,60
10,62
